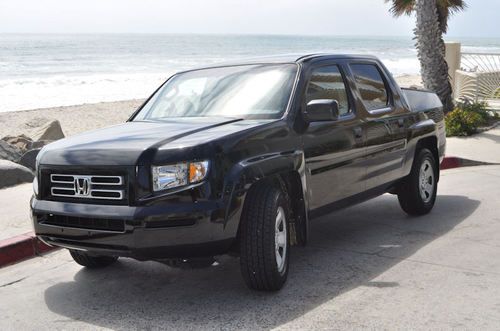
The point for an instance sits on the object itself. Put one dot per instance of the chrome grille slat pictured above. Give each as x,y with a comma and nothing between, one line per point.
120,180
101,181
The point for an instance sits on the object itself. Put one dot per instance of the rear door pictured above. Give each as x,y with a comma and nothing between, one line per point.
386,141
334,150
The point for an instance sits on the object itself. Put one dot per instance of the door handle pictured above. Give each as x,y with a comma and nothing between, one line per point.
358,133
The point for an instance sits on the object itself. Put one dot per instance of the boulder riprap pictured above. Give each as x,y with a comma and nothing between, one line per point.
13,174
50,131
22,142
9,152
23,150
29,159
38,144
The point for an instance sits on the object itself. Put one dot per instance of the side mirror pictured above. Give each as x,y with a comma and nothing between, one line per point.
321,110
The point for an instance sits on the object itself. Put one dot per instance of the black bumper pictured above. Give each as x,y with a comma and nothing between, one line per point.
180,230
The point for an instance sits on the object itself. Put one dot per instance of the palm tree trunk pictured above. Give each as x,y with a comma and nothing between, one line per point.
431,52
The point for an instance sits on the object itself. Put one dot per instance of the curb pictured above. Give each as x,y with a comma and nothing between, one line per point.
21,247
27,245
451,162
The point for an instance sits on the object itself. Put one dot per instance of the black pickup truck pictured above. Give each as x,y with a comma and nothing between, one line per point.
237,158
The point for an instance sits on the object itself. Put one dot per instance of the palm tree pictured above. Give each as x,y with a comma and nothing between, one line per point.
432,22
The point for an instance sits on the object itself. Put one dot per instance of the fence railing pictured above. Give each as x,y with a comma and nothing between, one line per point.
478,78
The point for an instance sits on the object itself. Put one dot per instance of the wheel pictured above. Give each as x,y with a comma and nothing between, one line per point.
91,261
417,193
264,244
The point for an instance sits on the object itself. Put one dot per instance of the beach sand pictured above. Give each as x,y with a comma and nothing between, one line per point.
80,118
73,119
409,80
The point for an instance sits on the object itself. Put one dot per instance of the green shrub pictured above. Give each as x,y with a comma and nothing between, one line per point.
468,105
497,93
480,108
462,122
467,116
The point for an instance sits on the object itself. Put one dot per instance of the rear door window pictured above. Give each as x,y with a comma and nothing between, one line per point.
371,86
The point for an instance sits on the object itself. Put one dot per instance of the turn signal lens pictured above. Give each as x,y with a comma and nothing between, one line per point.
197,171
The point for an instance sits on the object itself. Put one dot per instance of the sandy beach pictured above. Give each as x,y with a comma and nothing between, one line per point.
80,118
73,119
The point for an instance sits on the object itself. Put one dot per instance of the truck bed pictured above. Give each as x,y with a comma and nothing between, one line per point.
421,100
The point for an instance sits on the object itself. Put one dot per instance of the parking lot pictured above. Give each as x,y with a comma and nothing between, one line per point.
368,266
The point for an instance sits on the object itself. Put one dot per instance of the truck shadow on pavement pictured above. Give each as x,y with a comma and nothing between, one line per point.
347,249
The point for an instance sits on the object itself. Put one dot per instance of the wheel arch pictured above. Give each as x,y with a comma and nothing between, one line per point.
284,170
431,143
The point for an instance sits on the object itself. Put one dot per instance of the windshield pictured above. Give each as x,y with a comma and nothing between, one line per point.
247,91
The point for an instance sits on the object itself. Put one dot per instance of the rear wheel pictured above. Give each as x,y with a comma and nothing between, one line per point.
417,193
264,244
92,261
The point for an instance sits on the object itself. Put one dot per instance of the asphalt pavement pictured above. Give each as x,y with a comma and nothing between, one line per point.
368,266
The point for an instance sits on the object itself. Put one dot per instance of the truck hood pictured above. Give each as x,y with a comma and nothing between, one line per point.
124,144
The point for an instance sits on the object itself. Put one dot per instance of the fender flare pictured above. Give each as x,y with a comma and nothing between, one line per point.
250,171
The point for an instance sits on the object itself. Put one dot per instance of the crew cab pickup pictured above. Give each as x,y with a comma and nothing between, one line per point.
237,158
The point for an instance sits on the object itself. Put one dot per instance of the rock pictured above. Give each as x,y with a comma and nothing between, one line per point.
22,142
49,131
9,152
13,174
29,159
38,144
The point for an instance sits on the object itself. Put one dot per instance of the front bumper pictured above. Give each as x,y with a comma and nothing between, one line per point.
171,230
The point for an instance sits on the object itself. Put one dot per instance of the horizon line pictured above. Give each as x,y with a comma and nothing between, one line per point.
242,34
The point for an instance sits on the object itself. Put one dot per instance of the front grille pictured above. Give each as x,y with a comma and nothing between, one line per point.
87,186
101,224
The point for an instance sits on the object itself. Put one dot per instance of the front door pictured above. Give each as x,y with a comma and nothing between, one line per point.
334,150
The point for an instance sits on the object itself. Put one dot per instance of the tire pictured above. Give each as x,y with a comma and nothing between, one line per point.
264,238
417,194
92,262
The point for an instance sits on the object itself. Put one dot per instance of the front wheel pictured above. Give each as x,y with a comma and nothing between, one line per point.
264,244
417,193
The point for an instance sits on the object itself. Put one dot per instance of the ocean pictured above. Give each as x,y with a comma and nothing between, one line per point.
50,70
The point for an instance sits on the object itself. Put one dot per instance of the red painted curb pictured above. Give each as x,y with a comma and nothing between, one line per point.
451,162
20,248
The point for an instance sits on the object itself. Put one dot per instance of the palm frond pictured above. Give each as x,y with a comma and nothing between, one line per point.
445,9
401,7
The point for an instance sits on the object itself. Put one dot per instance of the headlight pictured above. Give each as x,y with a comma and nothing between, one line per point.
180,174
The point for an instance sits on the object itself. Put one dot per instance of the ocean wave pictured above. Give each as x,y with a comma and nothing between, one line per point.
62,90
39,71
31,93
403,66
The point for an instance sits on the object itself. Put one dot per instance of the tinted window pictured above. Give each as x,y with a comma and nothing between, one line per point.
327,83
370,85
246,91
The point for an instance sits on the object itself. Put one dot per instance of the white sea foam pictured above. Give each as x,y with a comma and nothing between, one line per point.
64,90
31,93
38,71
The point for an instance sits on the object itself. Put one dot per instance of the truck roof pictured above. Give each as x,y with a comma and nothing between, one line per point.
289,58
307,57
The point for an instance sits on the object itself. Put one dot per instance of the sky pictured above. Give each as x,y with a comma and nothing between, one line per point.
304,17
